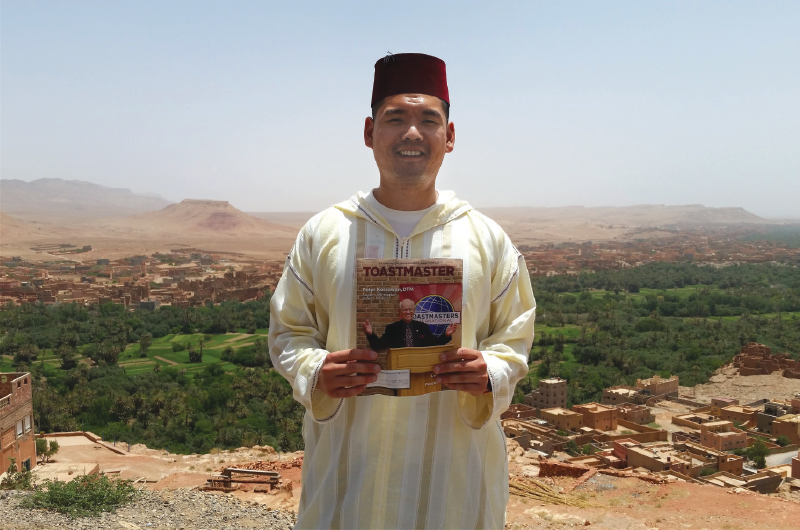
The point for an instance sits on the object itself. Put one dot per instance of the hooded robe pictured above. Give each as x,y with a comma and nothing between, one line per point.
432,461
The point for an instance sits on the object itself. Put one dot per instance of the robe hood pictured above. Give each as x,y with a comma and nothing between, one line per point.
446,209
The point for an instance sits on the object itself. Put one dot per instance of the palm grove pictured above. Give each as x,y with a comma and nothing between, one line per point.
594,329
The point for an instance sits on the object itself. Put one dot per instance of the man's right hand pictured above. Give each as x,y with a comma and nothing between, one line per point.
346,373
367,327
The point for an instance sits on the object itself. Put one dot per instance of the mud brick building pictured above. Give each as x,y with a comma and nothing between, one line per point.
722,436
16,421
598,417
722,402
658,386
563,419
789,426
772,411
620,394
552,393
519,411
738,413
635,413
757,359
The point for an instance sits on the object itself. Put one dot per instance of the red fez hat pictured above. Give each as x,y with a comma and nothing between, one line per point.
410,73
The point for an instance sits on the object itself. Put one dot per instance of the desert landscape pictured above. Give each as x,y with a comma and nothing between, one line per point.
117,223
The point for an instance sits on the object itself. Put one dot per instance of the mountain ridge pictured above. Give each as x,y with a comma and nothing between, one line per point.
59,197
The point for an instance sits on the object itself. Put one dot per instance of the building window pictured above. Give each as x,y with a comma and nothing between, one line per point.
27,423
19,428
26,465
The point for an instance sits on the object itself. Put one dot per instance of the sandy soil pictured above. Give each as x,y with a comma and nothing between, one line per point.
157,469
727,383
614,503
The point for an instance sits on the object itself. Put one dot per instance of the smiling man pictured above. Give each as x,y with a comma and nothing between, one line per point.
431,461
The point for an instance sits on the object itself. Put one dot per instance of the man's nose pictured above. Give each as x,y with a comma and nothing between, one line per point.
412,134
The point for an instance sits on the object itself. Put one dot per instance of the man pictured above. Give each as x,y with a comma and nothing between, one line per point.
406,332
431,461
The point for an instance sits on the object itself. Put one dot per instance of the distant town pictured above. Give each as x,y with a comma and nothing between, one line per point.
188,276
183,278
715,246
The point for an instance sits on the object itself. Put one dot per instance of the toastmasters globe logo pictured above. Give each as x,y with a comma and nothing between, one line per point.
433,305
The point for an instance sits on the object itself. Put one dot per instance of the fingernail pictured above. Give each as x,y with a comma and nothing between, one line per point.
373,355
436,369
374,378
377,368
438,379
443,357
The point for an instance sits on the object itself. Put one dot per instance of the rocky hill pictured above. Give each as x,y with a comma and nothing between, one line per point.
209,218
640,216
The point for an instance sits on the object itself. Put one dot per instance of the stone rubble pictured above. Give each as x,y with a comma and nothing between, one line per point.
181,509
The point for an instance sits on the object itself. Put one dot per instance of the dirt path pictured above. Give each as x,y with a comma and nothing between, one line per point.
173,363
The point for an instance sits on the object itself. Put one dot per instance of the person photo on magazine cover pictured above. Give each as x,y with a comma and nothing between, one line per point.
407,332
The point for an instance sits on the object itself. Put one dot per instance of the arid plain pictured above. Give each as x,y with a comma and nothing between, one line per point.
117,223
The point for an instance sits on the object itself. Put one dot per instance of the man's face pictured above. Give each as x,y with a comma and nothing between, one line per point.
409,138
407,311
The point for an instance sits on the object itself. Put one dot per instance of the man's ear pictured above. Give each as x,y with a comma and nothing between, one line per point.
369,124
451,137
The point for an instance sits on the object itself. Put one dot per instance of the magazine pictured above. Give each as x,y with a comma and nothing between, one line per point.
409,312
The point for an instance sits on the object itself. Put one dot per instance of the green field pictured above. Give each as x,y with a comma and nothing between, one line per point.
160,353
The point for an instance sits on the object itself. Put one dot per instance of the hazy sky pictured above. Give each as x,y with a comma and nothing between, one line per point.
263,103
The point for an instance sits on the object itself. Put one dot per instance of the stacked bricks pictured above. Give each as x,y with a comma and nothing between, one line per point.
549,468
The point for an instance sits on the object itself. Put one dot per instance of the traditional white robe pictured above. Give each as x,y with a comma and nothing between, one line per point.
433,461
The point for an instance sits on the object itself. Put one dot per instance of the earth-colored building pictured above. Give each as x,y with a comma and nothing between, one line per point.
598,417
16,421
563,419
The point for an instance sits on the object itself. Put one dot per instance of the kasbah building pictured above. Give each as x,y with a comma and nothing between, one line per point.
16,421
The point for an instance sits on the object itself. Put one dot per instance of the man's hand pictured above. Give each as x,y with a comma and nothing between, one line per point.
450,330
346,373
367,327
463,369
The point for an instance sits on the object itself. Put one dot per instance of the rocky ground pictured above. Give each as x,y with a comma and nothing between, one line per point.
726,382
167,509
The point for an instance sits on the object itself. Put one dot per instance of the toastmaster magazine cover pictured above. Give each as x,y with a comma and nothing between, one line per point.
409,311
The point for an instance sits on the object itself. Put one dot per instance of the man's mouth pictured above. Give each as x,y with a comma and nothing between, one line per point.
411,153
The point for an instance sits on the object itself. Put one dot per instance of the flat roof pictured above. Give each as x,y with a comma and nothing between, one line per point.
558,411
788,418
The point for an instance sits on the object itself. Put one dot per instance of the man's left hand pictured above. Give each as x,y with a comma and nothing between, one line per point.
463,369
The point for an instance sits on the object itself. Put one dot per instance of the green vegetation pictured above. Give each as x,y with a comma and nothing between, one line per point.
706,472
84,495
185,380
45,450
195,379
783,440
613,327
758,453
17,480
571,447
